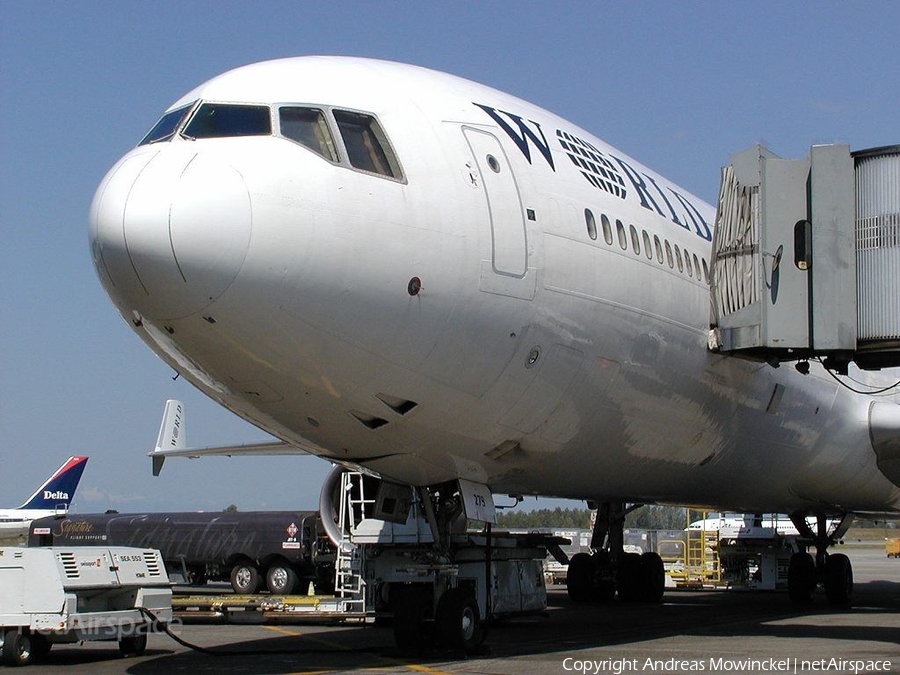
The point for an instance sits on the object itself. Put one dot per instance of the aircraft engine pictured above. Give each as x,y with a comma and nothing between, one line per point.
365,497
884,429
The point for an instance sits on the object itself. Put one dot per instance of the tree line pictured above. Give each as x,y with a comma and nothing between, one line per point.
644,518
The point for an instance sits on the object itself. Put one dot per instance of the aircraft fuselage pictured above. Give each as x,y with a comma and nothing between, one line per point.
489,293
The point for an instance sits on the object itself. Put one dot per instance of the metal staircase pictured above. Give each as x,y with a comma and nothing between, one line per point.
349,584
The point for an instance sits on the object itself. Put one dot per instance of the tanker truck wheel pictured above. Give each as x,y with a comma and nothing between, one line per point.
245,578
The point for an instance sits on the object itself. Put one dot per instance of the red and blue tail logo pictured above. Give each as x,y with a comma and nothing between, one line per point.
59,490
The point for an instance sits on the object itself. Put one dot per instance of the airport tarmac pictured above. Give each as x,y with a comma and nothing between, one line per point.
691,631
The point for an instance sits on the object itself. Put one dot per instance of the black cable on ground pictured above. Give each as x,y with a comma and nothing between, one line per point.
213,652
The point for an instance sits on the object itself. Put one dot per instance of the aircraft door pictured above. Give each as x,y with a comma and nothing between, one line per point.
508,239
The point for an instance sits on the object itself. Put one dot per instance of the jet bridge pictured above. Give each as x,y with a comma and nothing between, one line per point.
806,257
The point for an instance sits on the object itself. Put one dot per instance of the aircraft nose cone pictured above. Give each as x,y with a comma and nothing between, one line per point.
169,232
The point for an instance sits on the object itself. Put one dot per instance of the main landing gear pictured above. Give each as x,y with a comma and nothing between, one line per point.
833,571
599,576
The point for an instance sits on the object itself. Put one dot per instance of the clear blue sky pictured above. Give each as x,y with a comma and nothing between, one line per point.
678,86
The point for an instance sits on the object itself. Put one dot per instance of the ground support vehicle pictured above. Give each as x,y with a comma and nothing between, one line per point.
441,578
390,579
429,557
70,594
282,551
258,609
892,548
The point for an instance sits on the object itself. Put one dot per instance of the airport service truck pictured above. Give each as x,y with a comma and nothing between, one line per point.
284,551
71,594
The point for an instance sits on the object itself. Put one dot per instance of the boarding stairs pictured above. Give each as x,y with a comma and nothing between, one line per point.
349,584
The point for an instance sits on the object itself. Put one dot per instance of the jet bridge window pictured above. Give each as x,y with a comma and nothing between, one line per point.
228,120
165,128
366,144
307,126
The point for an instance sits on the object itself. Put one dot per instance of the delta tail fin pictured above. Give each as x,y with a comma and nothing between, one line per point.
59,490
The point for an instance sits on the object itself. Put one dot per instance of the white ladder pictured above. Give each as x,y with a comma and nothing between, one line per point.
349,583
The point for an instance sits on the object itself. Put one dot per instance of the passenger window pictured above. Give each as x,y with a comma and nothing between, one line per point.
366,144
167,125
635,240
687,264
591,223
658,247
307,126
227,120
705,271
623,238
648,249
669,254
697,265
607,229
678,258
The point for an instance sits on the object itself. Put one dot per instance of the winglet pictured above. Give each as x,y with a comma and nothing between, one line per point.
171,434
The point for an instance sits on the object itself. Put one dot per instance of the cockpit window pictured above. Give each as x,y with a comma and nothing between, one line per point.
366,144
167,125
308,127
222,120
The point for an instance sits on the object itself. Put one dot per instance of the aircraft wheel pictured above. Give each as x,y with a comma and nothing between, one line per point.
654,576
413,628
133,645
630,577
245,578
603,580
839,580
579,577
281,579
801,577
457,623
17,647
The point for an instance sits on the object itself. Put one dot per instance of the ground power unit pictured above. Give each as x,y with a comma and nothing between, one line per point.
66,595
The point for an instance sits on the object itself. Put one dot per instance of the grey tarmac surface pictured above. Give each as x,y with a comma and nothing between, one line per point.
691,631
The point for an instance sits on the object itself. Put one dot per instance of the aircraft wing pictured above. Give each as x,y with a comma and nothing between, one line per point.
171,442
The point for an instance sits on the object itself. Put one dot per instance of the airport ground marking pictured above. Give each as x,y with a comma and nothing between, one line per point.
393,662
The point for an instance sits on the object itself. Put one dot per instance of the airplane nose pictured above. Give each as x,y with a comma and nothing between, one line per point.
169,230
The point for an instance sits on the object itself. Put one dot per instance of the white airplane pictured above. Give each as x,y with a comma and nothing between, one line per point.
53,498
751,525
408,272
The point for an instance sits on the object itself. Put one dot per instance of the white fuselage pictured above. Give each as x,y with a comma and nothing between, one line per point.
14,523
536,357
